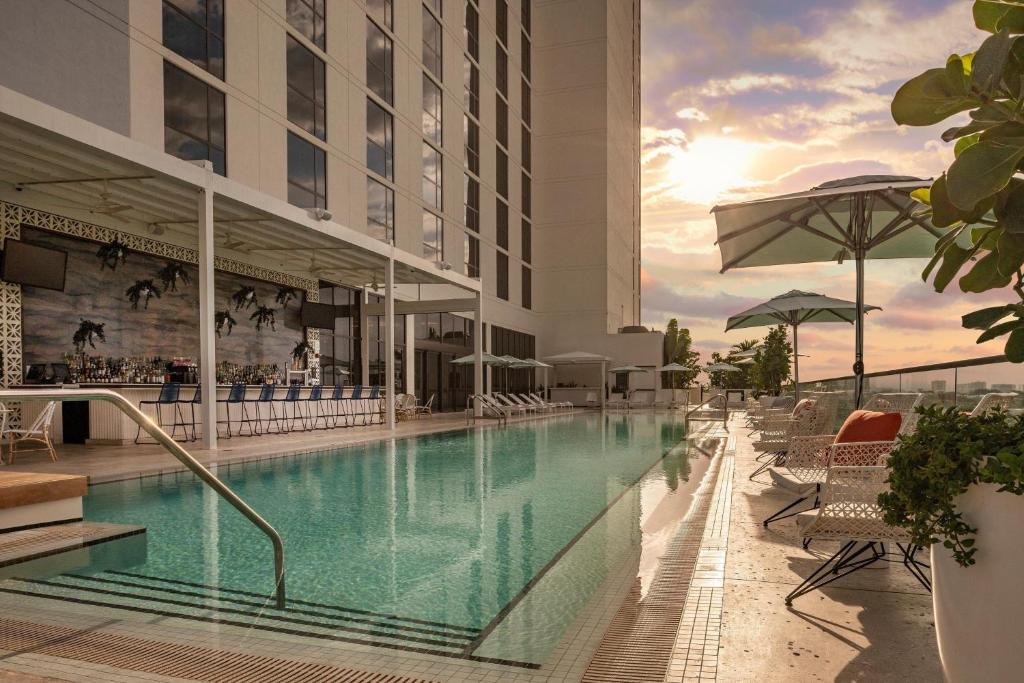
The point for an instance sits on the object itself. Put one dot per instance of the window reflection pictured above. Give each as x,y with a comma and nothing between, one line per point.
193,119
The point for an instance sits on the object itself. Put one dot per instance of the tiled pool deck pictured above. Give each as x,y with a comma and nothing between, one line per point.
715,611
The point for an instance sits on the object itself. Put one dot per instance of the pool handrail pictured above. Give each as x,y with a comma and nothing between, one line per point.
175,449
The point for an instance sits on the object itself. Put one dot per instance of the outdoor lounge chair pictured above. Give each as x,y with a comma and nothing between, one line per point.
40,431
488,409
807,462
518,399
501,400
557,404
991,401
427,408
849,513
550,407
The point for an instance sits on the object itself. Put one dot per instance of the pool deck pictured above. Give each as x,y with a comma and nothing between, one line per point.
724,619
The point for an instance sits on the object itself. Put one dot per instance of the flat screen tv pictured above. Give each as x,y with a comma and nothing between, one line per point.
316,315
23,263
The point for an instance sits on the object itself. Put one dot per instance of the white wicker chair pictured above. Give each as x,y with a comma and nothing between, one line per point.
991,401
902,403
849,513
40,431
808,460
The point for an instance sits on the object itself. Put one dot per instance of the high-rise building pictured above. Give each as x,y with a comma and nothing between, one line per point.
483,140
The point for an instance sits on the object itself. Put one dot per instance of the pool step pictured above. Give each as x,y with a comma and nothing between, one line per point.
197,602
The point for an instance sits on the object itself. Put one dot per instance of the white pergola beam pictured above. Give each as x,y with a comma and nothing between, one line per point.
422,307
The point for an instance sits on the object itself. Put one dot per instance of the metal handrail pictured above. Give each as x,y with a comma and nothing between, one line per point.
948,365
197,468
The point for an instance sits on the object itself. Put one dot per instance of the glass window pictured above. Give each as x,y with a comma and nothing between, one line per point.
432,176
471,91
472,30
471,256
501,270
432,44
501,116
501,172
433,237
381,11
434,5
195,30
379,66
501,224
471,197
193,119
307,173
527,197
526,15
527,241
306,89
380,140
527,292
501,70
472,134
307,17
432,100
525,45
501,20
526,102
380,210
527,151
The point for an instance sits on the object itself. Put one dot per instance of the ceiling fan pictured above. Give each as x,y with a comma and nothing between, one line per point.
105,205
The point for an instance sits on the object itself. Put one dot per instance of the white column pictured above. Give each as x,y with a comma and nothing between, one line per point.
478,352
364,340
207,338
389,341
604,379
410,355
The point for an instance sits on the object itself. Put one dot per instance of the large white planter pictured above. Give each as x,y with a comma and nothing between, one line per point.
978,609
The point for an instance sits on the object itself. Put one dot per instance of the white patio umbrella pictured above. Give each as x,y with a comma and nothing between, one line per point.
629,370
722,367
487,359
794,308
510,362
672,369
853,218
534,364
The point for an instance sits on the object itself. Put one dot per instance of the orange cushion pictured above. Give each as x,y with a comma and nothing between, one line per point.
806,405
867,425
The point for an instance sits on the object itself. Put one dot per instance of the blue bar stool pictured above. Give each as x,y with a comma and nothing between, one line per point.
337,397
266,398
169,394
236,396
355,404
374,405
197,399
315,397
291,398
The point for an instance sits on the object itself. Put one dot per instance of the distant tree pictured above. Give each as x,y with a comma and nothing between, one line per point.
679,349
771,367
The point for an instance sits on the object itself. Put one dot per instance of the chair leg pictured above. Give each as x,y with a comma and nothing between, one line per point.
782,514
849,564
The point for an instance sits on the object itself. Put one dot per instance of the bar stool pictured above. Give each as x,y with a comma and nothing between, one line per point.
266,398
291,398
197,399
337,397
356,396
315,396
169,394
373,401
236,396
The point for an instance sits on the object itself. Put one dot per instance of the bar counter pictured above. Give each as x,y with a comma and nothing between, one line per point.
109,426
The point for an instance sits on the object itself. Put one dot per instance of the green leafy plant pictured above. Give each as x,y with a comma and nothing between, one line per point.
87,333
244,297
142,290
948,453
223,319
978,202
772,363
679,349
301,349
264,316
112,253
171,273
285,295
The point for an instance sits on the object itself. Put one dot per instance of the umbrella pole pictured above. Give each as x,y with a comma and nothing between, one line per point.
858,366
796,363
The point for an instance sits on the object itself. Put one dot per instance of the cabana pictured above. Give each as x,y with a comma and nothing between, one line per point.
583,358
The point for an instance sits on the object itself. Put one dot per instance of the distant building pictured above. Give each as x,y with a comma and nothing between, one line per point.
972,388
1004,387
938,386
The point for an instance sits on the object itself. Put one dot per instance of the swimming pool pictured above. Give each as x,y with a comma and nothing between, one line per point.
482,544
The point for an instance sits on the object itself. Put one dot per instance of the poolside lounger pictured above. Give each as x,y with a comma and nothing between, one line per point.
500,400
508,411
513,400
557,404
487,410
540,404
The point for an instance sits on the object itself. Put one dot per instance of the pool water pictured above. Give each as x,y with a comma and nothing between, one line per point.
496,537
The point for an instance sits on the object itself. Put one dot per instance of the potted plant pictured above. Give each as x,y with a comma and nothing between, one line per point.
956,485
87,333
300,354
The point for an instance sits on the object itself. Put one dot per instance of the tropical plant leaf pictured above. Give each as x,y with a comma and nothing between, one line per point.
972,128
1015,346
953,258
965,142
984,275
928,99
999,330
989,62
986,317
982,170
997,15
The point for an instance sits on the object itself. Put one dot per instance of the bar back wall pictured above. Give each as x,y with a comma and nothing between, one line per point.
169,327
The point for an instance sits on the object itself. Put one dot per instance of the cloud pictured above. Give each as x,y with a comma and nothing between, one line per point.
692,114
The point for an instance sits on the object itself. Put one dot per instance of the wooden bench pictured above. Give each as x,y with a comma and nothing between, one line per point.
29,499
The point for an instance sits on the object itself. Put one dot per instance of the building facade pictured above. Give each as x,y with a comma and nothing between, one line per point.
496,138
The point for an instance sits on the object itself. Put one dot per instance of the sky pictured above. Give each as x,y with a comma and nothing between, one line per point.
751,98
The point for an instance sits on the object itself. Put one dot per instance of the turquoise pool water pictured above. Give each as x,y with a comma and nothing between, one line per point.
479,530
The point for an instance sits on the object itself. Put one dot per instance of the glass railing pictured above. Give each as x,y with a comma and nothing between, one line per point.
957,383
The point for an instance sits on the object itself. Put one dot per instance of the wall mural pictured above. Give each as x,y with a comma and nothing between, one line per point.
168,326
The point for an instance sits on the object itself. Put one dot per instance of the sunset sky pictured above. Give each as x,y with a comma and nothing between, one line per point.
745,99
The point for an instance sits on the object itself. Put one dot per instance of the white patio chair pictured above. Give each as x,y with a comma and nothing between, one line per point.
902,403
849,513
405,406
526,400
427,408
557,404
492,400
991,401
591,399
509,403
39,432
807,462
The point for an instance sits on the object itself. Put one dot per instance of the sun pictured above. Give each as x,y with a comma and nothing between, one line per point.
708,168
